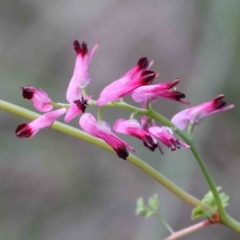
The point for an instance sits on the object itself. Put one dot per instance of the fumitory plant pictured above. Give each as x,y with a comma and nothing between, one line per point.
154,130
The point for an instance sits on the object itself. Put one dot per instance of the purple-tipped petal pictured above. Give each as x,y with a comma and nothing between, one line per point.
76,108
102,130
133,128
165,135
151,92
46,120
124,86
39,98
195,114
80,78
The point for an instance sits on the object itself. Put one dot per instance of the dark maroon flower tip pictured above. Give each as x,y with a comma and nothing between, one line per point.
149,143
80,48
143,63
122,153
174,144
81,104
148,76
218,102
27,92
23,131
177,95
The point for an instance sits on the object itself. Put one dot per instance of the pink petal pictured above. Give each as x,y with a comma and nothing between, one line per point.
142,65
151,92
39,98
72,112
165,135
80,78
118,90
46,120
76,108
133,128
103,131
195,114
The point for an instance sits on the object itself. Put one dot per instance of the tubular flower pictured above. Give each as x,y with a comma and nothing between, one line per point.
133,128
46,120
80,78
142,65
40,99
195,114
102,130
134,78
146,123
151,92
165,135
76,108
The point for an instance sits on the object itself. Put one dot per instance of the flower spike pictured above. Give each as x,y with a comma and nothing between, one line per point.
27,130
80,78
40,99
165,135
102,130
133,128
195,114
151,92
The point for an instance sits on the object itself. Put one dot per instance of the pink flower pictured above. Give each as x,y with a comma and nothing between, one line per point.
133,128
46,120
142,65
102,130
195,114
76,108
151,92
39,98
80,78
165,135
136,77
146,123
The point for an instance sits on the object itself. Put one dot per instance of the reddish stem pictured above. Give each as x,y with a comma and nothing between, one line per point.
188,230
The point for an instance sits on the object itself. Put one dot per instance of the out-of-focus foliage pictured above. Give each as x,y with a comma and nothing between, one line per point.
209,201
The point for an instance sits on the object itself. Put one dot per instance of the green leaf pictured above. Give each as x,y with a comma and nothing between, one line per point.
208,200
147,211
153,202
197,212
140,208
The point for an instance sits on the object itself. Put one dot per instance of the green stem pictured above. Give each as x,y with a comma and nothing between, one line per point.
86,137
232,223
202,165
99,113
167,226
190,130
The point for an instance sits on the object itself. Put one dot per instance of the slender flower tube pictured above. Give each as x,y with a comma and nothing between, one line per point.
151,92
102,130
80,78
124,86
133,128
195,114
27,130
142,65
76,108
40,99
134,78
165,135
147,122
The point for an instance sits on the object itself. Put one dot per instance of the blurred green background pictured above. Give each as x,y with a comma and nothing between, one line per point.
55,187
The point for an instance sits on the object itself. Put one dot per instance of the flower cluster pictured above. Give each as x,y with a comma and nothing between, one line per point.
137,82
